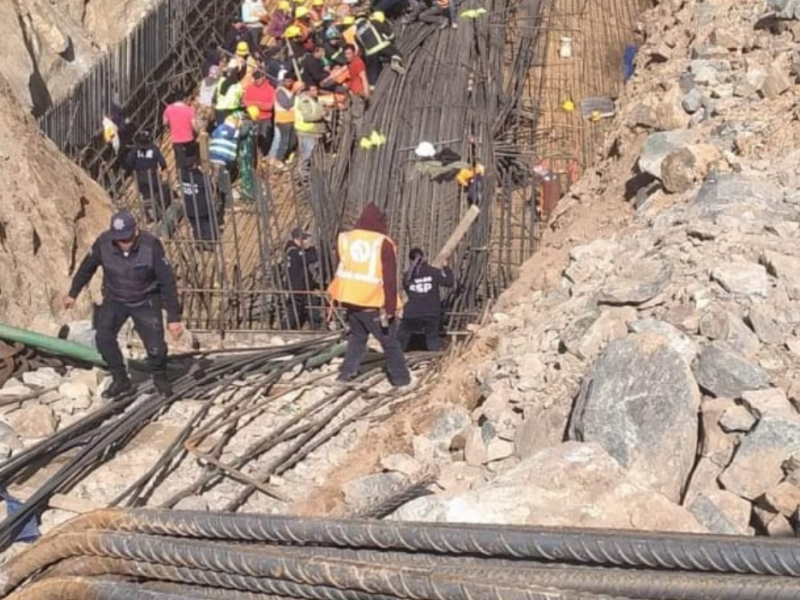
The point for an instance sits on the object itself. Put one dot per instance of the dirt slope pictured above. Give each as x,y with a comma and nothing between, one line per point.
50,212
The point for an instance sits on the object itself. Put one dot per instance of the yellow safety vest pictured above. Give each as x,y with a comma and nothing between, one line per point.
303,126
359,276
232,99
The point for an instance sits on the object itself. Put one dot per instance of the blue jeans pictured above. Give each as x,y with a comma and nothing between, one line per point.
276,142
306,145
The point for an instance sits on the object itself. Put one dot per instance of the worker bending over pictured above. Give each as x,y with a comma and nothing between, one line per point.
137,281
423,311
366,285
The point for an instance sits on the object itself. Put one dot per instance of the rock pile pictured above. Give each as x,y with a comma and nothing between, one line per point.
669,355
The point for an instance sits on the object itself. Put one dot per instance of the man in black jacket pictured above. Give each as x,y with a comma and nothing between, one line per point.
300,255
147,162
423,311
137,281
199,206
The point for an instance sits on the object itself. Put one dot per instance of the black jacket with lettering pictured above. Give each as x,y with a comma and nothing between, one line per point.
145,161
134,280
422,284
298,261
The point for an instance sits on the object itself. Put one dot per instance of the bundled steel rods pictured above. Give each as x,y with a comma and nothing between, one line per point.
225,555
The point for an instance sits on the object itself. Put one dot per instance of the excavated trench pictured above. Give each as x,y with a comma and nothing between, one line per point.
494,90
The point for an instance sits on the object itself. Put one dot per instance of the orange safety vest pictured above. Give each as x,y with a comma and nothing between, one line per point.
359,277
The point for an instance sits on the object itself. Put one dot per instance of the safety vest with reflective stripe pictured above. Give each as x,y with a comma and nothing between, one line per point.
359,277
371,39
302,126
283,116
232,98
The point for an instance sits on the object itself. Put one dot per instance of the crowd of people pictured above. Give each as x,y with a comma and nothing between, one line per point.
266,97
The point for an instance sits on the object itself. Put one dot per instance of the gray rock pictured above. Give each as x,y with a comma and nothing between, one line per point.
721,512
780,527
693,101
571,484
364,490
475,452
678,170
741,338
714,324
498,449
541,427
705,72
609,325
704,479
721,371
46,377
449,423
762,319
33,421
641,406
785,9
678,341
742,278
716,445
656,148
777,82
786,269
401,463
737,418
723,192
770,400
784,498
642,282
756,467
726,38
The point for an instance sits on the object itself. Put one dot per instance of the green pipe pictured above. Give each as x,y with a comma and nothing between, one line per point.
51,344
323,357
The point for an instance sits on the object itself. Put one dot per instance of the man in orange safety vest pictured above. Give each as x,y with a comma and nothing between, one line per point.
366,284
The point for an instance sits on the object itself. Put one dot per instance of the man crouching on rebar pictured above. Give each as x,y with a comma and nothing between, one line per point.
137,280
366,285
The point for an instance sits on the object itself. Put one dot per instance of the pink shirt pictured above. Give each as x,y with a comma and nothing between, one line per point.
180,117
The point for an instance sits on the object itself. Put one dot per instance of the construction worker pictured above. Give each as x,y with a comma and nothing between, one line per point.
224,143
366,285
441,12
229,94
471,179
261,94
239,33
294,44
253,16
199,206
375,38
284,120
423,311
300,256
309,125
348,28
181,118
317,13
332,45
147,162
280,20
137,282
302,20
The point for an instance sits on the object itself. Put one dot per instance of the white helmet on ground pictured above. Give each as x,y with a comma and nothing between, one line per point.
425,150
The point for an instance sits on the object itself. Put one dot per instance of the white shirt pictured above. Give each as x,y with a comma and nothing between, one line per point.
252,11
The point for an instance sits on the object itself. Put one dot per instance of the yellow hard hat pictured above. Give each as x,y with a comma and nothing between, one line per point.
292,31
317,2
299,1
242,49
568,105
253,112
300,12
284,6
378,16
595,115
349,20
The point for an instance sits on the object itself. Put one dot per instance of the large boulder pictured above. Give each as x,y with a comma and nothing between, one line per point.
641,406
569,485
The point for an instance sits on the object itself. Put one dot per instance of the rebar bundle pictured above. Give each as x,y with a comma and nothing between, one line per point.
462,89
189,554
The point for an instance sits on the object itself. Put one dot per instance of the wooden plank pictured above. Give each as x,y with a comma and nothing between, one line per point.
458,234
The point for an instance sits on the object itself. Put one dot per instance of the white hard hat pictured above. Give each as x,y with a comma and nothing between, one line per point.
425,150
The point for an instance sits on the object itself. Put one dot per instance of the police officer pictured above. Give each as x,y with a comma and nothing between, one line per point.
423,311
147,162
300,256
137,281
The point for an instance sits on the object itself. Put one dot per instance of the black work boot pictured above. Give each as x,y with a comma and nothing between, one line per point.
162,385
120,385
